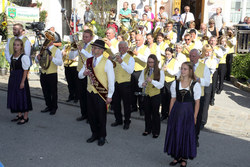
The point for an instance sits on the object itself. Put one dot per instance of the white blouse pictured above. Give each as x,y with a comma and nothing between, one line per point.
25,61
196,89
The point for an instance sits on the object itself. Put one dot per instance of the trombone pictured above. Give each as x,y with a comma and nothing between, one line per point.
75,41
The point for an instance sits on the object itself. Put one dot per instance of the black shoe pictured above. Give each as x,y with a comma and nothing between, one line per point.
17,118
163,118
174,162
142,113
211,103
81,118
133,109
101,141
183,162
115,124
197,143
202,126
23,121
69,100
52,112
92,139
145,133
218,92
75,101
47,109
126,126
155,136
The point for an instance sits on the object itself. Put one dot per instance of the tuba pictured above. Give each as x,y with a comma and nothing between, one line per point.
45,61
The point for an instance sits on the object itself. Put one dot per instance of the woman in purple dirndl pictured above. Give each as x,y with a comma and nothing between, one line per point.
180,140
18,99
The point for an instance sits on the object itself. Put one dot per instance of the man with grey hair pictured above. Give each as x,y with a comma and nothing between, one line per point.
88,15
124,68
111,43
219,20
202,75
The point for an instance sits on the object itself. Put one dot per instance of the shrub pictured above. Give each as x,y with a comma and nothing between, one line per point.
241,66
100,30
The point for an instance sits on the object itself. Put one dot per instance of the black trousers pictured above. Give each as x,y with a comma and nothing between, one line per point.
71,77
214,85
152,115
221,74
199,117
207,96
135,88
122,92
82,95
229,61
49,88
165,99
97,115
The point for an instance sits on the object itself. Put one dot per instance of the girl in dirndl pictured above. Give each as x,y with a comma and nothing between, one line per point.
18,98
180,141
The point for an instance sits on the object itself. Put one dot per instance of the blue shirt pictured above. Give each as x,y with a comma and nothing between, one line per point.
127,12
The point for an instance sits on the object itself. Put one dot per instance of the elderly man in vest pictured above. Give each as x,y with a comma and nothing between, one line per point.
48,77
101,79
140,54
111,43
124,68
202,75
17,32
85,49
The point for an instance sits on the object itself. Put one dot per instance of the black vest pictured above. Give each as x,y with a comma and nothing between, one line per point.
185,95
16,64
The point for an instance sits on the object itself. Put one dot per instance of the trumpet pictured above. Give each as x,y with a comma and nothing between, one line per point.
131,50
105,39
113,59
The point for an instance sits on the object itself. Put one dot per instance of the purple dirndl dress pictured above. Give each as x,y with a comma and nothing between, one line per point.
18,100
180,141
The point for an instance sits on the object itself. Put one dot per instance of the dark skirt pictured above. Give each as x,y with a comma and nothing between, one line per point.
18,100
180,141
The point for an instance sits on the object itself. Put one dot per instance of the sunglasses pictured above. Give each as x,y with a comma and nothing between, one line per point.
186,39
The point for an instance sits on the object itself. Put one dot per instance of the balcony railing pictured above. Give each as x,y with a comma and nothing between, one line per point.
243,38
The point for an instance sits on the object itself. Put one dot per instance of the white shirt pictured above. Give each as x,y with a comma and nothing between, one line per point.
27,48
110,74
196,90
212,65
198,44
190,17
219,52
74,54
158,84
25,61
181,58
164,14
144,57
57,60
129,68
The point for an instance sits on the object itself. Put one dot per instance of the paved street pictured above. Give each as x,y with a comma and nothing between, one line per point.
59,140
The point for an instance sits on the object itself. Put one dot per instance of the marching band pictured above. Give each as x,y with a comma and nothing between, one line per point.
139,69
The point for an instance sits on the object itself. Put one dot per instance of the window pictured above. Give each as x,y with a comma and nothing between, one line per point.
236,11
